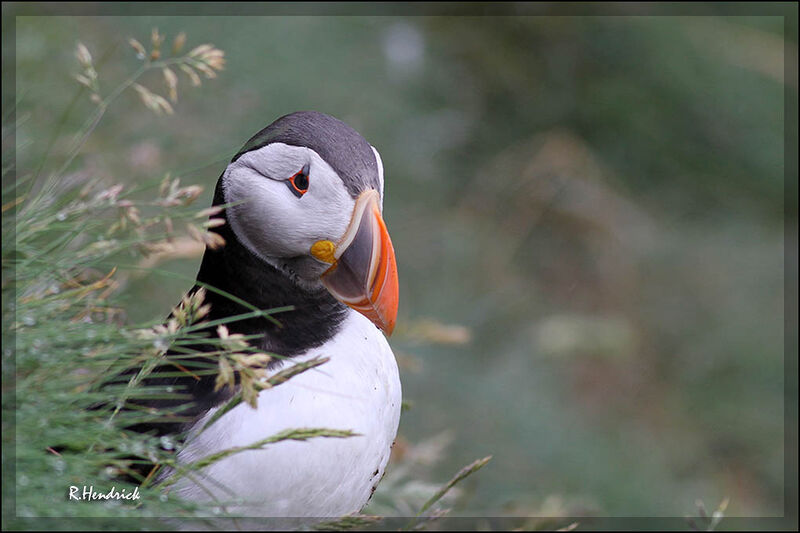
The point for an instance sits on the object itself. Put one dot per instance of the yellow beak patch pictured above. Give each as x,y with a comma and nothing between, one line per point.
324,250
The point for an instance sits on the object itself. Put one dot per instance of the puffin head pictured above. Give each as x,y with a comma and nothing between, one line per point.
306,196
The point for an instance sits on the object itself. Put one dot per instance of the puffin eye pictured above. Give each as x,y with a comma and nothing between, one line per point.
298,183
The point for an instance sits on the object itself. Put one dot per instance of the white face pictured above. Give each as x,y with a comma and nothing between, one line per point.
275,224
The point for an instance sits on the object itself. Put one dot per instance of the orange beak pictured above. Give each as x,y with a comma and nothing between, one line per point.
363,274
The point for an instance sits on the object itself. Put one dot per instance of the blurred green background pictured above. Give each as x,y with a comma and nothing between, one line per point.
588,215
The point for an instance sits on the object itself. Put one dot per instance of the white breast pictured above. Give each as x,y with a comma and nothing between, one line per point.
358,389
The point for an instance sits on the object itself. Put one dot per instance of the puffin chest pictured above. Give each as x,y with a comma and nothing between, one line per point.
358,389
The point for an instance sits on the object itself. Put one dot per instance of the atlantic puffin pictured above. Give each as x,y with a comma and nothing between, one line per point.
303,228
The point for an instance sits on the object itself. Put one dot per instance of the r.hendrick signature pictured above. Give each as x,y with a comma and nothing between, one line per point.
89,494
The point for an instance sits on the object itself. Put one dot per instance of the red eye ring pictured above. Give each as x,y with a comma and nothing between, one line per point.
298,183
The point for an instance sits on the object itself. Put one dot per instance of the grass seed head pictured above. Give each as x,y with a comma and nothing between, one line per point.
177,44
172,83
83,55
193,77
141,53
